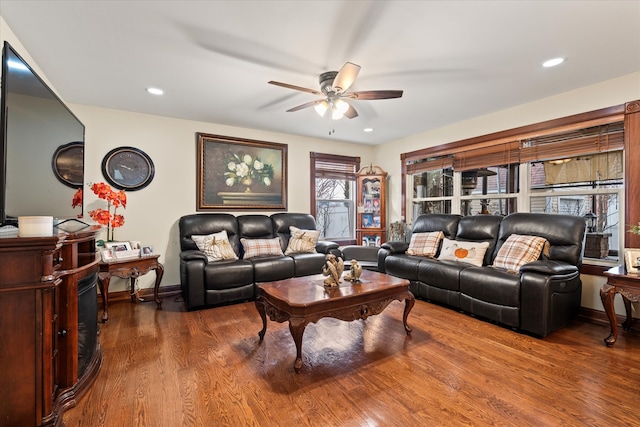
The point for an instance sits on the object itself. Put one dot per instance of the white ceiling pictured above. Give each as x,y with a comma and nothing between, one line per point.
454,59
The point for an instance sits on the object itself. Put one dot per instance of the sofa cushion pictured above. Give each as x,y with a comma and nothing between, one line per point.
425,244
518,250
227,274
261,247
271,268
443,274
302,241
216,246
307,264
469,252
491,285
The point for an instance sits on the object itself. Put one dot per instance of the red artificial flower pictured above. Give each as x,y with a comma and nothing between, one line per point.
117,221
77,198
106,217
101,216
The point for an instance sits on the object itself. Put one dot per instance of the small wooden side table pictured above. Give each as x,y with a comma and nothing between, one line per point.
128,269
627,285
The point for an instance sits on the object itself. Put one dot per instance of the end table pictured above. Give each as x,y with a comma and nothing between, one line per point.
128,269
625,284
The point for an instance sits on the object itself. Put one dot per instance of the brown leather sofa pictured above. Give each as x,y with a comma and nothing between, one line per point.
543,296
207,283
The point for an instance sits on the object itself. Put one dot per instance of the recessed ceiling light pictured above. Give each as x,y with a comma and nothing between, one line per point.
553,62
154,91
368,129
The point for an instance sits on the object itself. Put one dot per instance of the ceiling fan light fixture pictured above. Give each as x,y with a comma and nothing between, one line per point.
336,114
341,106
321,108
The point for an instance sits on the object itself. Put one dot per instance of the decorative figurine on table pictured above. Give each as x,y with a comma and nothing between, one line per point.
354,272
333,267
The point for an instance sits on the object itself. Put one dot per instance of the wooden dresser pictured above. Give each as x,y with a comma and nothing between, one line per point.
49,351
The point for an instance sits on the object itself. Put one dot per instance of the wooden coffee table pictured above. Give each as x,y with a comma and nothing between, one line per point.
304,300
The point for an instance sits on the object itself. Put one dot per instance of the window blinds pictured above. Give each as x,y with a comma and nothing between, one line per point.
329,166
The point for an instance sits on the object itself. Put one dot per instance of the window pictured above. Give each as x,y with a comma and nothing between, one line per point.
572,166
333,196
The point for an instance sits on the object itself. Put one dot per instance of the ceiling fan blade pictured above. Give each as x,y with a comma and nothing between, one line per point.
305,105
374,94
351,113
294,87
345,77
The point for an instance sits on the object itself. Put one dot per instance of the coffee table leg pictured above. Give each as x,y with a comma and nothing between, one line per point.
408,305
296,326
263,314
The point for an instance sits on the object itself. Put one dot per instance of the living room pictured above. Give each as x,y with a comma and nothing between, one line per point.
152,214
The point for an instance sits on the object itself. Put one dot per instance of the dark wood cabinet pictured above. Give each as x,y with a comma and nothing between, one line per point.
40,328
371,216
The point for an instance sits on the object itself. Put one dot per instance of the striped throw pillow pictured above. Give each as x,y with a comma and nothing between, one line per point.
216,246
302,241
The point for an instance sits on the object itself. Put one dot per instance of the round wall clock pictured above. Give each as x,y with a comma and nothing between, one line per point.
68,164
128,168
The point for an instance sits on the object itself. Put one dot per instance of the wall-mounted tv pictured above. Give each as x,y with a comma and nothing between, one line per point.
42,157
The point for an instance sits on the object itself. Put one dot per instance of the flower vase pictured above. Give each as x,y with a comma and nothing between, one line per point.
248,181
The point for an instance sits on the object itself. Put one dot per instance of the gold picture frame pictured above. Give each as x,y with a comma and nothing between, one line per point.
236,173
631,257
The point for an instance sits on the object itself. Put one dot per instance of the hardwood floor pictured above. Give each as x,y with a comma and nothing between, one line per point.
208,368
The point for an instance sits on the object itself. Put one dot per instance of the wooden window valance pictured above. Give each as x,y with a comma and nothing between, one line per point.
592,140
330,166
426,165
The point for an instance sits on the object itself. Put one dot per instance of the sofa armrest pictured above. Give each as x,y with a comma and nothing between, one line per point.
325,246
191,255
552,268
550,294
389,248
192,264
395,247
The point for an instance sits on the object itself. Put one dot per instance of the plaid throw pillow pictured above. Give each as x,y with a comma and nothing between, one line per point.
519,250
302,241
261,247
425,244
216,246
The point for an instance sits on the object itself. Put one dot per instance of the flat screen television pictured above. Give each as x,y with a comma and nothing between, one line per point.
42,157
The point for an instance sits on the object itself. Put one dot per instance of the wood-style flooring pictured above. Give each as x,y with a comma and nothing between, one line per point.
173,368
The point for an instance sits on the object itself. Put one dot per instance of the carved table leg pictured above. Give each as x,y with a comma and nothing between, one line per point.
408,305
159,274
607,294
260,305
629,320
133,294
103,284
296,326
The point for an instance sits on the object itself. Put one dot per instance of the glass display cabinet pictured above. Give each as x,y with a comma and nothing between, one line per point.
371,217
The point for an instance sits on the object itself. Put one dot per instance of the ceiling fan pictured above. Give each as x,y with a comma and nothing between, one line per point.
333,88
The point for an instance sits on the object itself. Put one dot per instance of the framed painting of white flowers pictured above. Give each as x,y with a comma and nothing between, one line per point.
236,173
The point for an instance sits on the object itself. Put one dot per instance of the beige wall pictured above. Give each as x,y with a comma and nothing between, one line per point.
152,213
